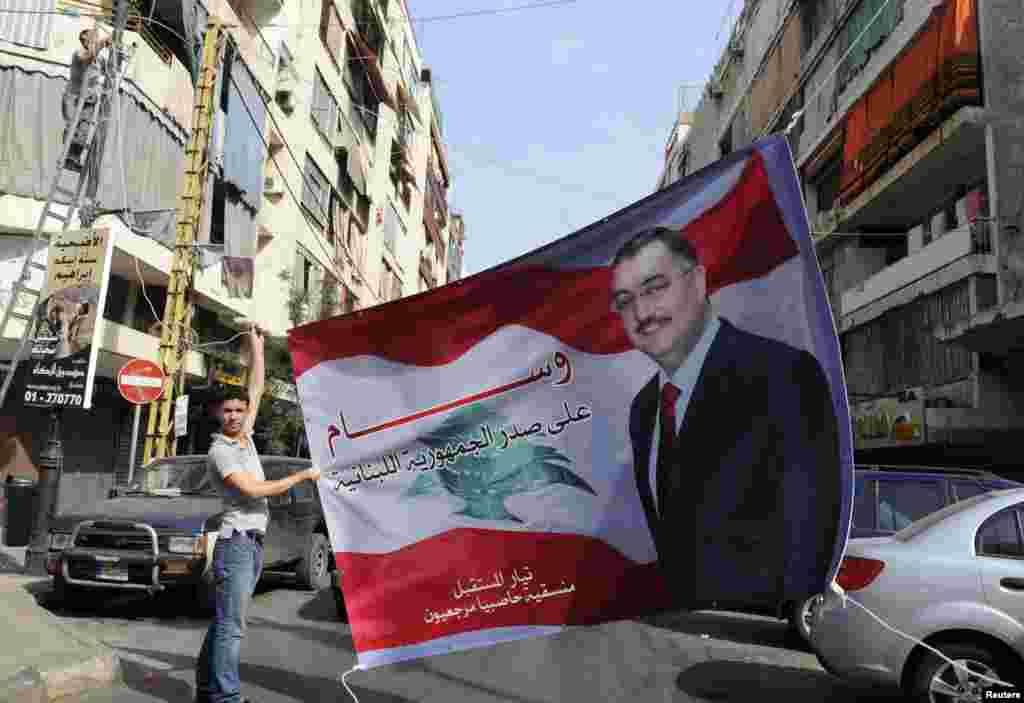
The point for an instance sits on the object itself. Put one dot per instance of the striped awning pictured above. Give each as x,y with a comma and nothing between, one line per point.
27,22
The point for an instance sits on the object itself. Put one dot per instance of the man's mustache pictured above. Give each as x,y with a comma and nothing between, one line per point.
644,325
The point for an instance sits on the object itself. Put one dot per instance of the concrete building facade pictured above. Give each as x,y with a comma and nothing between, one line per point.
910,148
352,175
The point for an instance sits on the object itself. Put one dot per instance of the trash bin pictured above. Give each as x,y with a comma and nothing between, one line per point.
22,499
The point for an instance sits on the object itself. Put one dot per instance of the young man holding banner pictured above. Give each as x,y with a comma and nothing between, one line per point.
753,438
235,469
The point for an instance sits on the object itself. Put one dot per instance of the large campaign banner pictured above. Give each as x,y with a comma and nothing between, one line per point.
647,414
61,367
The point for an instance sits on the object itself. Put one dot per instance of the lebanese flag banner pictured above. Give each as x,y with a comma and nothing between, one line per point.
487,446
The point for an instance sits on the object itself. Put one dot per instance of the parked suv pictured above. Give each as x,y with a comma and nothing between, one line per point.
888,498
159,533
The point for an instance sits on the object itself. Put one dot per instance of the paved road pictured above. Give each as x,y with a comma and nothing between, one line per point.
296,649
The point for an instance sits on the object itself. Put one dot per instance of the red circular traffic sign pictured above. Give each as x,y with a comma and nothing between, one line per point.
140,381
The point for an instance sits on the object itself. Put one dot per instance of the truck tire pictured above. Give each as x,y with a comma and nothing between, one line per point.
314,569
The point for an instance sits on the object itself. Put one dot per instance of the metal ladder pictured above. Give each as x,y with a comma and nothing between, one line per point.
93,108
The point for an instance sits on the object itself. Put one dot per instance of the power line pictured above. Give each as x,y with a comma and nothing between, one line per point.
494,11
536,175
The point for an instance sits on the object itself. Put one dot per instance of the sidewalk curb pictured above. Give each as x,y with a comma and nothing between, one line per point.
86,665
31,685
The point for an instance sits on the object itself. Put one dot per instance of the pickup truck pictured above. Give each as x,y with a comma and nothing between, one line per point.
159,534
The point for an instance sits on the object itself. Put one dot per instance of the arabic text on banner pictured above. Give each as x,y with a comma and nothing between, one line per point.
492,468
69,318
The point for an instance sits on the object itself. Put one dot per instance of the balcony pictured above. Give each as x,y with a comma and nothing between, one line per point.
952,155
952,257
934,77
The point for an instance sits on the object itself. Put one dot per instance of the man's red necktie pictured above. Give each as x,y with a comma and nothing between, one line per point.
666,445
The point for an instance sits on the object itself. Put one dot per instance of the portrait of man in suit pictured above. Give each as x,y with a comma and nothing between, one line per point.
734,440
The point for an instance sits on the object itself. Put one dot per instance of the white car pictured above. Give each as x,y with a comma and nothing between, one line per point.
953,580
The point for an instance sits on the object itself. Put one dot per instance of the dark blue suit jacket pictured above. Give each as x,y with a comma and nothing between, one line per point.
749,513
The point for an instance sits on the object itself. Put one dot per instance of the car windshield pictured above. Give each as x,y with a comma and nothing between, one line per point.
915,528
177,476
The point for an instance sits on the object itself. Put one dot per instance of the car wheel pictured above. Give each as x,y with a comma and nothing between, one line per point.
313,571
800,617
938,681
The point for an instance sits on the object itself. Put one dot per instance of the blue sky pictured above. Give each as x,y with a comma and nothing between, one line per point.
558,116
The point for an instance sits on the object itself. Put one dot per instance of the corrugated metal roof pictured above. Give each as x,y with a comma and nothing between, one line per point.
27,22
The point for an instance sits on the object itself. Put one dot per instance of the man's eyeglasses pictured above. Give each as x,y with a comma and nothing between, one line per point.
652,290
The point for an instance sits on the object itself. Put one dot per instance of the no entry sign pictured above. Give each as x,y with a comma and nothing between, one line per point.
140,381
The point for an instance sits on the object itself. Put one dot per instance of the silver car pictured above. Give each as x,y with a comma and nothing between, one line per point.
954,580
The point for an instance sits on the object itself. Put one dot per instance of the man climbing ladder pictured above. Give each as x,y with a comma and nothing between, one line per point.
82,79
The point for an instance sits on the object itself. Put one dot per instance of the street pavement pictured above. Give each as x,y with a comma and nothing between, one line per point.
296,649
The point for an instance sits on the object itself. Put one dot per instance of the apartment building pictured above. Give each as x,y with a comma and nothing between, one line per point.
329,160
910,149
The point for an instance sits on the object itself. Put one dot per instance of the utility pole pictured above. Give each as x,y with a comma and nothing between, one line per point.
177,318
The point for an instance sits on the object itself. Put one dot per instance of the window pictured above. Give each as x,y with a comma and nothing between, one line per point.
275,472
143,319
303,492
285,63
813,15
392,228
968,489
346,186
307,273
863,503
409,69
950,216
684,160
390,283
363,103
349,301
332,34
324,109
902,502
725,144
828,184
860,36
315,191
330,297
1000,536
117,299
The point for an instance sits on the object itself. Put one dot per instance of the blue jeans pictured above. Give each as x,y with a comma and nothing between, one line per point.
237,564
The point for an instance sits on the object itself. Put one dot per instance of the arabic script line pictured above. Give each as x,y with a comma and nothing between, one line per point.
450,454
561,362
512,596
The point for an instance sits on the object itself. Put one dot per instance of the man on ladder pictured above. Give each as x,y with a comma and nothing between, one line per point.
81,61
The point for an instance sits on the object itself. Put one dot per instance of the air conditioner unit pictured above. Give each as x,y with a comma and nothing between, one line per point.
272,186
286,99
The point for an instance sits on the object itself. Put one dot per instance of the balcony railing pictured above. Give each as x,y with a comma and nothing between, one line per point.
942,252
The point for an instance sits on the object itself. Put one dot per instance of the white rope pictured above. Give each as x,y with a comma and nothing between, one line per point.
844,597
355,667
853,45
